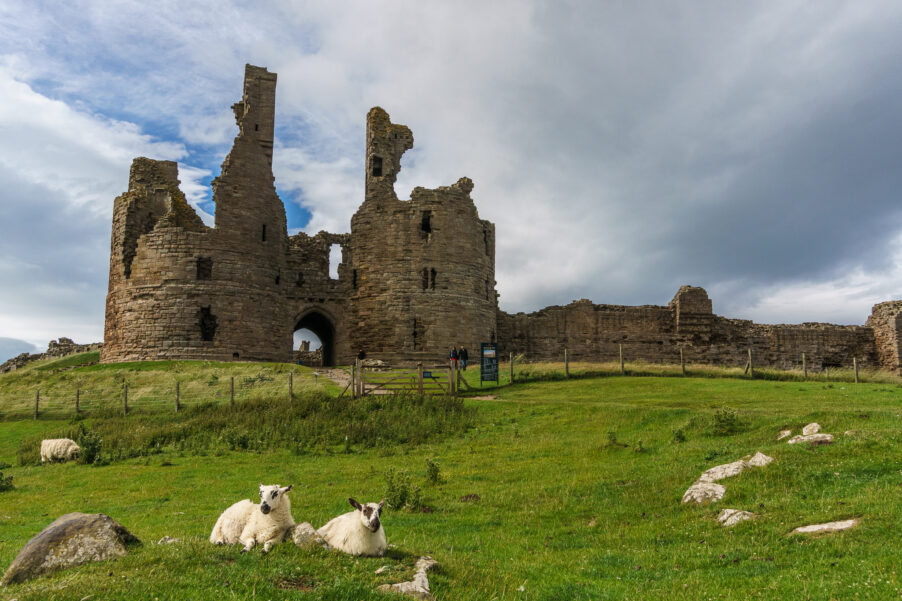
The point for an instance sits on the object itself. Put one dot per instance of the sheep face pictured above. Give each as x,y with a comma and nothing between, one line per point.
369,514
271,497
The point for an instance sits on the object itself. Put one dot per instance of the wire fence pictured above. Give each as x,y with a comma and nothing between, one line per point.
62,400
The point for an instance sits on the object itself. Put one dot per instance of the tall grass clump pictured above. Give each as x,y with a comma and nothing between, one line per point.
311,423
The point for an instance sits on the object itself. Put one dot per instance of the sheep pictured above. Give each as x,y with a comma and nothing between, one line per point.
58,449
357,532
243,523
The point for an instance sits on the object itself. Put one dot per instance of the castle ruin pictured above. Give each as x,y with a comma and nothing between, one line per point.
416,276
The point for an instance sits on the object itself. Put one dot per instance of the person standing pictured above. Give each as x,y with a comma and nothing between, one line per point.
454,357
464,356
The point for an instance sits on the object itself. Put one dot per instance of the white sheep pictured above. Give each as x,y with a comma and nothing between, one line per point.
58,449
357,532
248,523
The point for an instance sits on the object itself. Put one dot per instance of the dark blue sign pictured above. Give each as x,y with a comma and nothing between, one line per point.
488,366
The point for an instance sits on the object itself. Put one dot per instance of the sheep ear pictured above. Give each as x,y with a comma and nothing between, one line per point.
381,503
354,503
287,488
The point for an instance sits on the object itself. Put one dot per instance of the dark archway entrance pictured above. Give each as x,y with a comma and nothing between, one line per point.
320,325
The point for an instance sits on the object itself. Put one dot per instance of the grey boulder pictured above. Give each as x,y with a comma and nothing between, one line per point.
71,540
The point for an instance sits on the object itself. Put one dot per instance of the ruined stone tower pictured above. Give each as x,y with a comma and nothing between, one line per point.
416,276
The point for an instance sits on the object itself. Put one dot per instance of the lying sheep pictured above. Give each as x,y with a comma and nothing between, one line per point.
249,524
58,449
357,532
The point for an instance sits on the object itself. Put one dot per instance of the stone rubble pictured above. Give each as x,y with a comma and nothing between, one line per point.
418,588
828,527
731,517
812,428
812,439
705,490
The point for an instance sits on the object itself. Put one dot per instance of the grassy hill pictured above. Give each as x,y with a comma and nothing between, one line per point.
551,490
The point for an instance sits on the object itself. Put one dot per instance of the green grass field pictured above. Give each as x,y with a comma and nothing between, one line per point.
551,490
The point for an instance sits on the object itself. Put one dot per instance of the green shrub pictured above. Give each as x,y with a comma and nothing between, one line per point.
90,444
433,472
400,492
679,435
727,421
6,483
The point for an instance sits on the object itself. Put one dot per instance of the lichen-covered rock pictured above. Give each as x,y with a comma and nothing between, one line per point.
813,439
418,588
304,535
784,434
812,428
704,492
731,517
723,471
759,459
828,527
71,540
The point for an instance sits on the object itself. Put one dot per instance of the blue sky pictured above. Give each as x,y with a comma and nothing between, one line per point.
622,149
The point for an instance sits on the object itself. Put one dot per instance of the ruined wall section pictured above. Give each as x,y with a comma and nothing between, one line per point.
197,293
423,269
656,334
886,321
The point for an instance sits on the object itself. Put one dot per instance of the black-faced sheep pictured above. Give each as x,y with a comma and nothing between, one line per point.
249,524
357,532
58,449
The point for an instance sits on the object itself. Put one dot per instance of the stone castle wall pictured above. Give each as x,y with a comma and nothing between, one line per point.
656,334
238,291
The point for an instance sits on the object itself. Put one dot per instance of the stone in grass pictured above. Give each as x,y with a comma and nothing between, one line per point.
71,540
731,517
304,535
812,428
812,439
418,588
784,434
828,527
759,459
704,492
723,471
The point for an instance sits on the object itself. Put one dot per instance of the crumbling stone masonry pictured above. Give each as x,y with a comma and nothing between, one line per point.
416,276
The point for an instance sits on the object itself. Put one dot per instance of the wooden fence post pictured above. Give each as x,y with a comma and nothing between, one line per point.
37,400
77,399
682,362
855,365
566,364
290,386
420,377
178,395
125,400
512,367
354,380
232,391
804,367
751,366
622,368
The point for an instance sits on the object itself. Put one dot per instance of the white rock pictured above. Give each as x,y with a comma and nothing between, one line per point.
812,439
382,569
703,492
304,535
167,540
731,517
417,588
723,471
812,428
828,527
783,434
759,459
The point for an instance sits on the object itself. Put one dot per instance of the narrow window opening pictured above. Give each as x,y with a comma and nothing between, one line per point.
335,257
235,356
425,278
415,333
376,166
278,277
300,281
207,323
432,278
263,233
426,224
204,268
418,334
485,239
256,127
354,279
487,289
